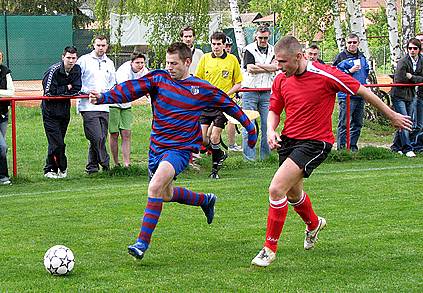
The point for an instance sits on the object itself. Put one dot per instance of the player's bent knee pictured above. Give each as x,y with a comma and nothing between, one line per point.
276,193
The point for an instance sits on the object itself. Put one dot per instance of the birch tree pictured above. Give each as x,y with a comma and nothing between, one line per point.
357,25
420,5
408,21
339,36
237,24
394,43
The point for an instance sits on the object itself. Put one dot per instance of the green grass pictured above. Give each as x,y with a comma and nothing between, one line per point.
371,200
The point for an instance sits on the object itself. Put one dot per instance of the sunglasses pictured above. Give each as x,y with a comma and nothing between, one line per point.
352,42
413,48
263,38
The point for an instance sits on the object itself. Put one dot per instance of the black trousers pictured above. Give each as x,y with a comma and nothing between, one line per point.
55,127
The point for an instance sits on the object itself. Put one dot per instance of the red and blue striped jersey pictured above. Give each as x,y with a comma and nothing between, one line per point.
177,106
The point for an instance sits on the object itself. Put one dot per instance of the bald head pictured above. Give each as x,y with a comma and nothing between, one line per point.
289,44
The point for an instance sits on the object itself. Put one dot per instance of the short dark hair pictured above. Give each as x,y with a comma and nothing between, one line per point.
353,36
70,50
289,44
136,55
263,29
415,42
186,29
182,49
218,36
313,46
100,37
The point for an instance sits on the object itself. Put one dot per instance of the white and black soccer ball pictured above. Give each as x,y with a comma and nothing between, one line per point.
59,260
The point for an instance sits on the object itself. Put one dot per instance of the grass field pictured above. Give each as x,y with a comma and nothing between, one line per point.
372,242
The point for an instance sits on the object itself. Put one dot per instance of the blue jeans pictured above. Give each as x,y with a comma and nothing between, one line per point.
356,123
3,148
419,114
402,137
258,101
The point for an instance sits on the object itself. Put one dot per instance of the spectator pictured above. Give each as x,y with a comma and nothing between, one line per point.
312,53
61,79
409,70
177,100
419,101
120,115
187,35
305,91
98,74
6,90
352,62
223,71
260,70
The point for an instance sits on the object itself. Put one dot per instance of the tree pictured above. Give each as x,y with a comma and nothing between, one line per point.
408,21
42,7
339,36
394,44
357,24
237,24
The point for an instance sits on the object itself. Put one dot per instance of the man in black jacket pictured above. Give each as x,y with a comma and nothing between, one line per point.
61,79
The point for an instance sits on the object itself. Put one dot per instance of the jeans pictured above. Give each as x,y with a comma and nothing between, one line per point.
402,137
419,114
3,148
258,101
356,123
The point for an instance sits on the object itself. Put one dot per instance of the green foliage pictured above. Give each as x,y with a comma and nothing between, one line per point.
166,18
377,30
42,7
102,10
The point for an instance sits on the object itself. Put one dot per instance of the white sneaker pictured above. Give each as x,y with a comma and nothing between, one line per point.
400,153
410,154
311,236
5,181
63,174
235,148
51,175
264,258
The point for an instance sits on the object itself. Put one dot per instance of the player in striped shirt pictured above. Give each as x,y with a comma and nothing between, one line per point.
177,100
306,91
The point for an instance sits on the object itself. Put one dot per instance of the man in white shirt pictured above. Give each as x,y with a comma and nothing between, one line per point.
187,35
98,74
121,116
259,69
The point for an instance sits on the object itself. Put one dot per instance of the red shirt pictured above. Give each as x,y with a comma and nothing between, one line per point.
308,100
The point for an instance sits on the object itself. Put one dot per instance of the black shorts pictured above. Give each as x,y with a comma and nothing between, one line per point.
307,154
218,119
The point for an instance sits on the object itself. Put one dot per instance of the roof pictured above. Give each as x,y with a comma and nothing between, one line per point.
267,18
249,17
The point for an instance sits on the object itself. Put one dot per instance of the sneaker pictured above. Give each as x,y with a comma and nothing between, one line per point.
214,175
264,258
137,250
400,153
208,209
63,174
5,181
235,148
51,175
193,165
311,236
410,154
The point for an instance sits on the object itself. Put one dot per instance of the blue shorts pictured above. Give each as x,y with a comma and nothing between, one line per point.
179,159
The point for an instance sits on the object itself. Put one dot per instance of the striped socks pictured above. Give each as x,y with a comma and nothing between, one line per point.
151,217
188,197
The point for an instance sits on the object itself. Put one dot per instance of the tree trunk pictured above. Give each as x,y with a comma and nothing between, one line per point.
357,25
237,24
408,21
394,44
420,4
340,40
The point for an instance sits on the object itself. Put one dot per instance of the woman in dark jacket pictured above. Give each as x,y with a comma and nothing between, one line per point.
409,70
6,90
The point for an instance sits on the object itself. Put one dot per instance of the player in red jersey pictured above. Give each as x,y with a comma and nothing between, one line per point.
306,91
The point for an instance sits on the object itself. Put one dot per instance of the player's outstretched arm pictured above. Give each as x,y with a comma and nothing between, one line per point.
398,120
273,137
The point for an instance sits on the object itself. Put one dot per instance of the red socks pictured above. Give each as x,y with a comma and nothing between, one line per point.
275,221
304,208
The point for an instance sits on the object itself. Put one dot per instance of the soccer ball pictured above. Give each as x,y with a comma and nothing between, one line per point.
59,260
